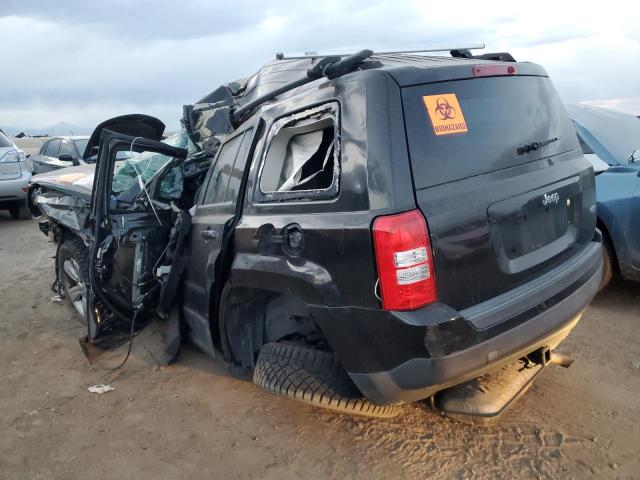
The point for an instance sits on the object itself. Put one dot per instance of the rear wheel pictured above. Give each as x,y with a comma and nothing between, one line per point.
607,264
19,211
314,377
73,270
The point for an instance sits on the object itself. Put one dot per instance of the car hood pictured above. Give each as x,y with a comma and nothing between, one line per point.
612,135
73,180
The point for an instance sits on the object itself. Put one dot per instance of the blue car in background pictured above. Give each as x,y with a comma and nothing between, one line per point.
611,142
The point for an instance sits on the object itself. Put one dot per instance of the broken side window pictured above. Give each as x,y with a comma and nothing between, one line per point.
302,159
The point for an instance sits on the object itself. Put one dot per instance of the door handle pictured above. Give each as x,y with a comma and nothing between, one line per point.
209,233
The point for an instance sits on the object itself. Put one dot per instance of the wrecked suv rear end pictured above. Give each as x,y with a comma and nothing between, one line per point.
496,256
461,240
359,230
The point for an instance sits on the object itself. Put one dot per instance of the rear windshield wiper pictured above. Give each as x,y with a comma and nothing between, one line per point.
530,147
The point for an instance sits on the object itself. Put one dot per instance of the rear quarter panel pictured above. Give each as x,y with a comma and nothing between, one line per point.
337,265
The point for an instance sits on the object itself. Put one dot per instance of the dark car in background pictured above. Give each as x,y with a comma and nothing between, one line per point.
610,140
59,152
358,231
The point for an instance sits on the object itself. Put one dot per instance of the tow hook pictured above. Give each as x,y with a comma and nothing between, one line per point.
544,356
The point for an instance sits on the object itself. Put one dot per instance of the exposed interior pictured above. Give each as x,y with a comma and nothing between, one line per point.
301,156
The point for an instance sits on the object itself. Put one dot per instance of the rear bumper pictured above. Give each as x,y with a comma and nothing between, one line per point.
408,356
11,190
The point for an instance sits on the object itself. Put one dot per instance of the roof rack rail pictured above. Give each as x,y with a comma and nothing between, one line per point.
498,56
334,53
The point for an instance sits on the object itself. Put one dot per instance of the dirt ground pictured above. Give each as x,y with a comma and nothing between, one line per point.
195,420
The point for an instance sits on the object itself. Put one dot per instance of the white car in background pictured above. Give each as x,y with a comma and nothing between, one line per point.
14,179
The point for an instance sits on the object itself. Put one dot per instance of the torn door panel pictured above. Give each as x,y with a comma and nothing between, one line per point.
132,221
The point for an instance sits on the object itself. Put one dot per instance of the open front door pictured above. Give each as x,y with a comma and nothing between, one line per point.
217,211
130,225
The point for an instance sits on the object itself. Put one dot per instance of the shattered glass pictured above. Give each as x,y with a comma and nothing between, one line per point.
301,160
146,164
307,157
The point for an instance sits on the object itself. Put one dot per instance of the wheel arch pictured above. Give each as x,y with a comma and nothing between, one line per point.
250,317
601,225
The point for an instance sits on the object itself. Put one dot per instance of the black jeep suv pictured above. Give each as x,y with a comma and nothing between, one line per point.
360,231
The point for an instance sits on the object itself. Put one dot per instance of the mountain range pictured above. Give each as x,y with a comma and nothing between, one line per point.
60,128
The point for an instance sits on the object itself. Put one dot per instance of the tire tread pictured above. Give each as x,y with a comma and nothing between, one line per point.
314,377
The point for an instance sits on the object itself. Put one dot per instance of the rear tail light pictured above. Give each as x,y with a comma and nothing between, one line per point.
405,262
10,157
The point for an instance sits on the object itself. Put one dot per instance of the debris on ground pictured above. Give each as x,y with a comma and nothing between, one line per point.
100,389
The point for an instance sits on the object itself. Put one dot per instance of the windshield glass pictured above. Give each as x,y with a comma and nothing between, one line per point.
81,145
4,141
147,164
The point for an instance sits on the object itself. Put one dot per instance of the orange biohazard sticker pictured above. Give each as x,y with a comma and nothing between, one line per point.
445,114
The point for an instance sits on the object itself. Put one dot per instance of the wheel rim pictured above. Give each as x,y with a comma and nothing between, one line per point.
76,289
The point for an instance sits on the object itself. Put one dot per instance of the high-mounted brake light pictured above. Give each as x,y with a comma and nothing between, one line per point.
493,70
405,263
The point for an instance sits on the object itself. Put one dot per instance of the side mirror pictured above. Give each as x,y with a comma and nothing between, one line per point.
65,157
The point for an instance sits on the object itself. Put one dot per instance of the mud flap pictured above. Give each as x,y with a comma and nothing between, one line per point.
484,399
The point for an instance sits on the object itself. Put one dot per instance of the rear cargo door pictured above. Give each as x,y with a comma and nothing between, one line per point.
501,180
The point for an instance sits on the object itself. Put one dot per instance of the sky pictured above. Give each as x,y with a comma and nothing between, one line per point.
83,61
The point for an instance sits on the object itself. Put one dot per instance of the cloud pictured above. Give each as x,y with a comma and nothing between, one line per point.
628,105
88,60
144,20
